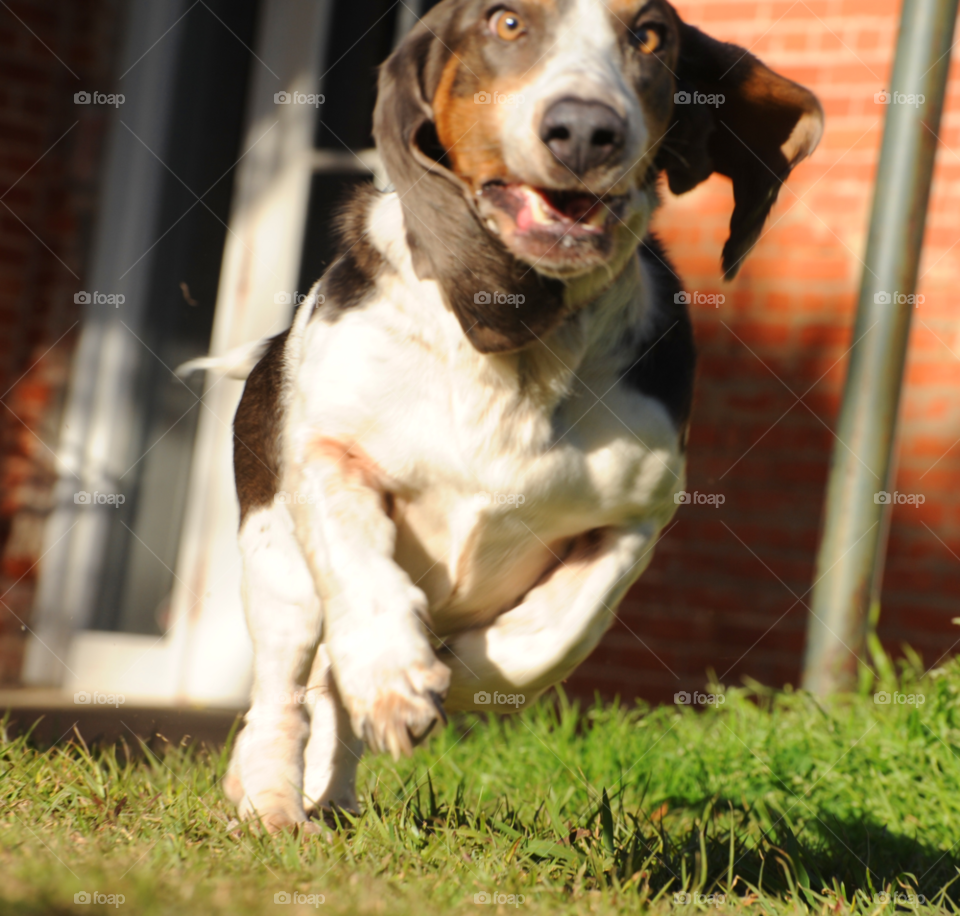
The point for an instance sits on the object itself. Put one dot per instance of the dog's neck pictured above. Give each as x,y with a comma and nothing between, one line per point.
544,371
566,356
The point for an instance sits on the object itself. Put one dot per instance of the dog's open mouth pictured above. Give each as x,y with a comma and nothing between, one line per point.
561,213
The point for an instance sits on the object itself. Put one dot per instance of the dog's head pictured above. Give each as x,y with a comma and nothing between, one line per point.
524,139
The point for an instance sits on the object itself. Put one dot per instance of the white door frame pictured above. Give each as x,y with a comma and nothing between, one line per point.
205,655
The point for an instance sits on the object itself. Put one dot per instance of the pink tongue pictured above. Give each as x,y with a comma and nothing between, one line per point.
525,216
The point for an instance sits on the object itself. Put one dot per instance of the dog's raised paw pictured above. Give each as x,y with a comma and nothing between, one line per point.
278,822
403,708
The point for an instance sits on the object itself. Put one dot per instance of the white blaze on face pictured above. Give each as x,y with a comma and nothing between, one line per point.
584,62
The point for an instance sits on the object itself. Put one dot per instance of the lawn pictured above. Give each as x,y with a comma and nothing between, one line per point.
769,803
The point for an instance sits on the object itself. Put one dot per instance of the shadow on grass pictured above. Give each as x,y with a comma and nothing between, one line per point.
758,849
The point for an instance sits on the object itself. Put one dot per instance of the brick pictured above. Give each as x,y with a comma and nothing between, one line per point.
54,198
705,599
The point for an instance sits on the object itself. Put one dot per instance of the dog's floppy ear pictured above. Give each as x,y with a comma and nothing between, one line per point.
735,116
447,240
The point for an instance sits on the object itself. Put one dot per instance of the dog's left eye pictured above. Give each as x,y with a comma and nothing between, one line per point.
647,38
507,25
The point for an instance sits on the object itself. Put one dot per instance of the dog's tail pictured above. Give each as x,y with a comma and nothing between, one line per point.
237,363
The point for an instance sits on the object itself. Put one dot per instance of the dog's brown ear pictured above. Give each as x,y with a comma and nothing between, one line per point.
735,116
447,240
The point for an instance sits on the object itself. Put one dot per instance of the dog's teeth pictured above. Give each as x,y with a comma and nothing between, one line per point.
599,217
492,226
540,212
567,242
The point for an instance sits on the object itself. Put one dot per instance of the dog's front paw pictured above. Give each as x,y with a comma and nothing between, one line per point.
393,707
275,811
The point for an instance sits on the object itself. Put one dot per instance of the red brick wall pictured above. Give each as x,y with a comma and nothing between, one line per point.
722,591
50,153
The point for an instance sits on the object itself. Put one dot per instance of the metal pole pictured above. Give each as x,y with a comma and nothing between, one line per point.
849,563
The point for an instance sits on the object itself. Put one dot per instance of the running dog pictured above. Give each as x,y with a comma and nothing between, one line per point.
459,457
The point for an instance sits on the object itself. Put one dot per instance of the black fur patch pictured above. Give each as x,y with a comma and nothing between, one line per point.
256,431
741,137
665,359
353,274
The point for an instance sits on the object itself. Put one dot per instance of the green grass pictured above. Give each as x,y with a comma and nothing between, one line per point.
777,801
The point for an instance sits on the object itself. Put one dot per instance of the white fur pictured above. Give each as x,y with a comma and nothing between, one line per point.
465,587
584,62
237,363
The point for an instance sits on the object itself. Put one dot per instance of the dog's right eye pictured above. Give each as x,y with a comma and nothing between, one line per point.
507,25
648,38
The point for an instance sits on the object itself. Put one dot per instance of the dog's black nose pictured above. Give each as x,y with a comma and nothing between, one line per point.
581,134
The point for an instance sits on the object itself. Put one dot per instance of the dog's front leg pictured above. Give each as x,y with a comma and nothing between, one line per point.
559,622
388,676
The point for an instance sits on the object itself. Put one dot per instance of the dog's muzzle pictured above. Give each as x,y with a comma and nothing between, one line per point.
583,135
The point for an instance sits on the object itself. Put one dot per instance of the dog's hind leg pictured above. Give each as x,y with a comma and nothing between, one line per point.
284,616
556,626
333,751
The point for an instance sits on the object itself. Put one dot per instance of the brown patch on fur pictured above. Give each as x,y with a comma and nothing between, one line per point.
352,460
256,431
468,131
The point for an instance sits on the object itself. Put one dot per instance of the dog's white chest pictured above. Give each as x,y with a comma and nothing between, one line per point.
492,489
494,466
477,542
